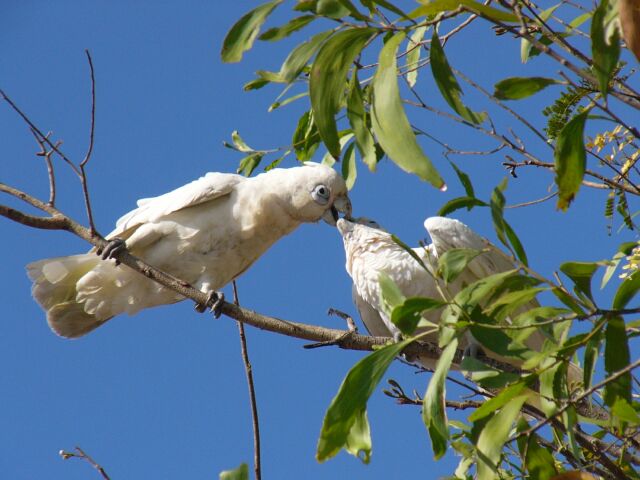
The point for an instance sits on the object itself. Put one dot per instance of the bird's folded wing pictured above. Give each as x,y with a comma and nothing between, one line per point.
213,185
448,233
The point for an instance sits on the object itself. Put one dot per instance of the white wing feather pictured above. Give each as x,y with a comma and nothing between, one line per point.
213,185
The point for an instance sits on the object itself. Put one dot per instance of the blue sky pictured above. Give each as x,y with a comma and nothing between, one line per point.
163,394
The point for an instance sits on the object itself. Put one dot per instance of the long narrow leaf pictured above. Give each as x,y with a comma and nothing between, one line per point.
390,123
328,79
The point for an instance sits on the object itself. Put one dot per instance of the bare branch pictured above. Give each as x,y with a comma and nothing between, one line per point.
87,157
252,391
55,147
83,456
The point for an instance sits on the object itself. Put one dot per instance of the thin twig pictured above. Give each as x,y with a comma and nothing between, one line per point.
87,157
83,456
55,147
252,391
46,154
533,202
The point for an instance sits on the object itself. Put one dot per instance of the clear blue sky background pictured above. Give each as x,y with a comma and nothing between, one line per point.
163,394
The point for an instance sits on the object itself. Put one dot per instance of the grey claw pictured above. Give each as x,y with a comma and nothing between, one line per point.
214,302
397,337
111,249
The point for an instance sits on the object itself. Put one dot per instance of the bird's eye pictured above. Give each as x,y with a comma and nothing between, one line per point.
321,194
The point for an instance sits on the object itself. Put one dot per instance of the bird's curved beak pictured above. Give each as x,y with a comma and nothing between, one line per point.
341,204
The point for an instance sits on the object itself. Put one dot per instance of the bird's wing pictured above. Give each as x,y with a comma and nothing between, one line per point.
213,185
370,316
448,233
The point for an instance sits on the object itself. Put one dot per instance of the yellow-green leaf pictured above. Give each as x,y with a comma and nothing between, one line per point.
328,79
241,36
515,88
434,414
343,423
605,43
570,159
360,124
389,120
447,83
493,436
240,473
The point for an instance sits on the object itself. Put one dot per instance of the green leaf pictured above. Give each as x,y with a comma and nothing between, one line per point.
605,44
486,376
538,460
500,400
293,25
568,300
453,262
240,473
581,274
249,163
434,414
432,8
627,290
465,181
525,45
497,341
344,416
412,57
332,9
390,294
242,35
255,84
407,314
286,101
460,202
493,436
625,412
591,353
511,301
345,136
616,357
392,8
349,172
299,56
515,88
305,138
570,159
359,439
360,124
503,230
328,77
390,123
239,143
447,83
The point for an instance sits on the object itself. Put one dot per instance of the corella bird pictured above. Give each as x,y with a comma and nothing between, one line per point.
371,251
206,233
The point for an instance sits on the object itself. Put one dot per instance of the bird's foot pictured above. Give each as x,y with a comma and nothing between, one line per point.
351,325
397,337
214,302
113,247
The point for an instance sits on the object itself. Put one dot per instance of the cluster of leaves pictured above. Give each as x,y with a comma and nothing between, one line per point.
358,115
501,313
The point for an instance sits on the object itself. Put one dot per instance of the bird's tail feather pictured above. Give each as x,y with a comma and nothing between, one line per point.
55,289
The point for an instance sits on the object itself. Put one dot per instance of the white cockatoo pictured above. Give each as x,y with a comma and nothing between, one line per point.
206,233
371,251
